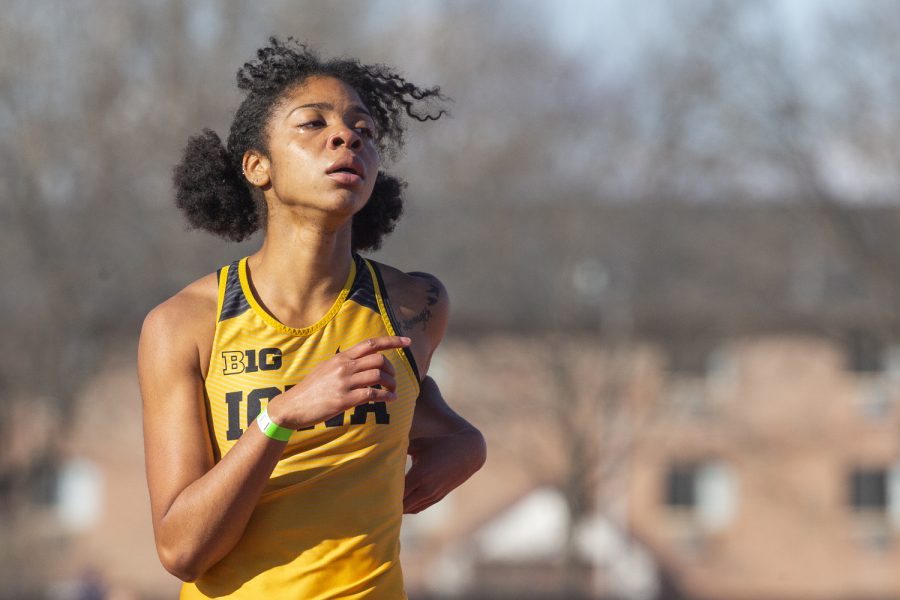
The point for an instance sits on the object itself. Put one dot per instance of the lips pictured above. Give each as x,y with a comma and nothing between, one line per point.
348,169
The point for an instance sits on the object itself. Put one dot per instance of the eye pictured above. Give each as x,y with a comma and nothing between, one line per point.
311,124
365,131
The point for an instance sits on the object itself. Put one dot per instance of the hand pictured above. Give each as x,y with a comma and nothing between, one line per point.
439,465
339,383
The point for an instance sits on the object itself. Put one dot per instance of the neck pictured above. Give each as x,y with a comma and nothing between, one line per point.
301,267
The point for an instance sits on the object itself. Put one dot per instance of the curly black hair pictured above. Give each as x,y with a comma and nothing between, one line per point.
209,184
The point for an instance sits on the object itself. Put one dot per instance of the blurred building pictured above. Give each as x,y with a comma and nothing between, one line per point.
82,530
776,474
750,446
711,392
773,473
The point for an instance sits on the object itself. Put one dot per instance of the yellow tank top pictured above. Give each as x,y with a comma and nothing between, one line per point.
328,522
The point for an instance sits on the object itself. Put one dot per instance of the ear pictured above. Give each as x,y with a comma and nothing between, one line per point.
256,168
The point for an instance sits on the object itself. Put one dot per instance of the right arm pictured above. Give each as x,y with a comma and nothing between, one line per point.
200,508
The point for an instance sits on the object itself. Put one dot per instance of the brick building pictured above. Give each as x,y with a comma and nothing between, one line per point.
773,474
710,391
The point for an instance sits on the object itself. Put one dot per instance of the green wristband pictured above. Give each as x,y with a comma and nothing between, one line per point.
272,429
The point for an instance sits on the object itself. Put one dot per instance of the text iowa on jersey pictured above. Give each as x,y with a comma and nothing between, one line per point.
269,359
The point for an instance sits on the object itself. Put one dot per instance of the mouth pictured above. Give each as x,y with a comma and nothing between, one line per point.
346,170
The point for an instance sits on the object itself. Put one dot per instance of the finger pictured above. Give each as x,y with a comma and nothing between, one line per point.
374,361
370,394
374,377
373,345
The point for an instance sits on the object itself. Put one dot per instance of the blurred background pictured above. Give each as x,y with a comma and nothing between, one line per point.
669,233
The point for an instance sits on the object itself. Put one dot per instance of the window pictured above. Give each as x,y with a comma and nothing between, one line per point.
79,494
707,491
721,369
700,380
681,486
891,362
864,353
43,480
874,496
869,489
875,396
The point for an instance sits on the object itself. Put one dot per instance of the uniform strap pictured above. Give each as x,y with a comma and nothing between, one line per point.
390,320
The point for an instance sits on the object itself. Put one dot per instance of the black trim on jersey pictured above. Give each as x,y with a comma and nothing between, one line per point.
363,290
234,303
393,319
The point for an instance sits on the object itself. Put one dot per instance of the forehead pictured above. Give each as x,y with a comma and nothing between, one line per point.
320,89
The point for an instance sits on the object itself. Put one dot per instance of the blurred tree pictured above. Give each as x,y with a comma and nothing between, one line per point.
717,101
732,104
727,104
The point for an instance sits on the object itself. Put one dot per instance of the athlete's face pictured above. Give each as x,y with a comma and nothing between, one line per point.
322,153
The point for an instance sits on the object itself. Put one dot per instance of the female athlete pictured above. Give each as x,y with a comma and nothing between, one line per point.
282,394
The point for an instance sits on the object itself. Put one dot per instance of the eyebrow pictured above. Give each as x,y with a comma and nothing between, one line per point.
353,108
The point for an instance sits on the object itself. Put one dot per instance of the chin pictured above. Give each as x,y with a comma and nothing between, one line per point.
349,203
341,204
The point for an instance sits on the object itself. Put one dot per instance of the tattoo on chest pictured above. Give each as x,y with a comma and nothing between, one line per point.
425,315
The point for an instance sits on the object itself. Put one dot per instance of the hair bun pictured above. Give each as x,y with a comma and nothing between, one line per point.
210,191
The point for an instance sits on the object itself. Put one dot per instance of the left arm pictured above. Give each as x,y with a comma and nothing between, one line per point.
445,448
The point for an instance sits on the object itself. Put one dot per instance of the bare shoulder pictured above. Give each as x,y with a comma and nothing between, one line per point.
419,300
187,307
185,322
421,306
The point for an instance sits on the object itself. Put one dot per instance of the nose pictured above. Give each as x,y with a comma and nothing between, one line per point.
345,137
